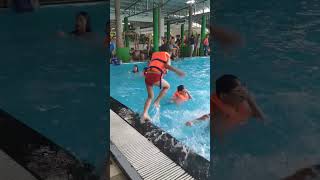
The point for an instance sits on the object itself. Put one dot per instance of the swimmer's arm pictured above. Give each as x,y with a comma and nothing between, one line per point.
190,97
202,118
257,112
173,98
177,71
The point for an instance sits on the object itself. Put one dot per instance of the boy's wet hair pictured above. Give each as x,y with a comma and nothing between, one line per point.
180,88
226,83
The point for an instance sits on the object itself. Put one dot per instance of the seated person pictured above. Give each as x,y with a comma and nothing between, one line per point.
136,55
115,61
131,51
231,105
181,95
142,56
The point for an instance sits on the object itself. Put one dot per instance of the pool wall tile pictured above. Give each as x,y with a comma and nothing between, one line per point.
40,156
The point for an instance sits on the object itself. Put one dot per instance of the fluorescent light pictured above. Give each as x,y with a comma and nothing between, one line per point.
190,2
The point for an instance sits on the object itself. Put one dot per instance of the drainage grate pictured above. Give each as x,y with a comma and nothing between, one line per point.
148,161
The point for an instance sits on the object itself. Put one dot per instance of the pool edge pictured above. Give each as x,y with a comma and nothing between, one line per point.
194,164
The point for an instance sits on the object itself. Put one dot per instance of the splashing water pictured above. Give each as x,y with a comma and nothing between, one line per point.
130,90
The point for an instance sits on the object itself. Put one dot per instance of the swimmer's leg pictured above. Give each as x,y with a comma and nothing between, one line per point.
165,86
145,114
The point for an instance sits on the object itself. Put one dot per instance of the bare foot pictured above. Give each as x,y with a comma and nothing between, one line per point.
144,118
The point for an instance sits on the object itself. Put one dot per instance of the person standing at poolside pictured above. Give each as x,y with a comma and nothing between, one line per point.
191,45
157,68
206,45
196,44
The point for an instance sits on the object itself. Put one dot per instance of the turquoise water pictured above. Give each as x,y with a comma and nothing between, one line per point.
55,85
280,65
129,89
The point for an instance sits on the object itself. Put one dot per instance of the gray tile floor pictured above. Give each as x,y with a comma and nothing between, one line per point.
11,170
115,172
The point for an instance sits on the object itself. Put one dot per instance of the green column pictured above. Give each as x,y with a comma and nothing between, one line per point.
126,29
203,34
156,29
168,31
182,35
190,22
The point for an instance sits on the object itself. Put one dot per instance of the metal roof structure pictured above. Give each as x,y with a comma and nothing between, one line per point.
176,11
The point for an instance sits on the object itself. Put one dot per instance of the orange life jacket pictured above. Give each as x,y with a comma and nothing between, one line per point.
181,96
157,63
228,113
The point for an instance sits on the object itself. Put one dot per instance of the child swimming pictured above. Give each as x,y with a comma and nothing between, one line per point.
231,104
159,65
181,95
135,69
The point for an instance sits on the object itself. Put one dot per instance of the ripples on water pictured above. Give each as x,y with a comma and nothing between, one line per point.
55,85
280,65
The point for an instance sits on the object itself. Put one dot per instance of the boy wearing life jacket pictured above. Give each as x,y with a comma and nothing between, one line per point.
231,105
154,73
181,95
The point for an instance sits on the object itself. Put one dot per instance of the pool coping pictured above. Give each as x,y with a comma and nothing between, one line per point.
37,154
141,158
124,164
194,164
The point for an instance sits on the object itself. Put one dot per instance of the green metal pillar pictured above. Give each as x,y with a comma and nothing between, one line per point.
182,35
168,31
156,29
203,34
182,48
126,29
190,22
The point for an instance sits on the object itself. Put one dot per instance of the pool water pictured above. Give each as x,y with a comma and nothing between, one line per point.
56,86
280,65
129,89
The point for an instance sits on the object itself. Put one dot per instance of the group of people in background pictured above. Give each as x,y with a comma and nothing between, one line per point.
193,42
143,49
